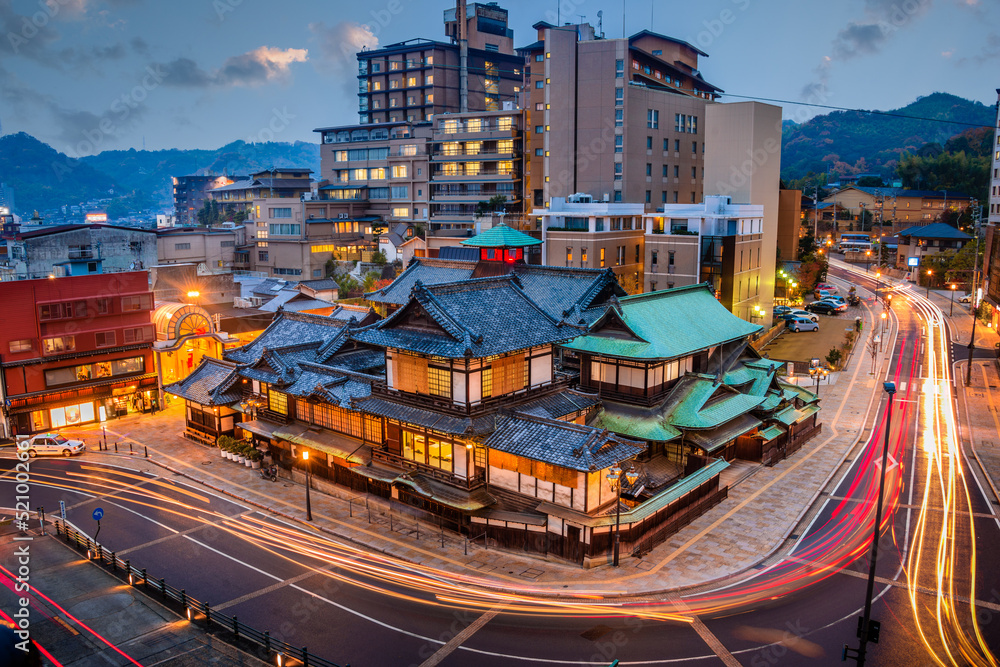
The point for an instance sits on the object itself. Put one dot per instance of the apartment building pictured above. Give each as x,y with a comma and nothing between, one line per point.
619,119
75,350
898,207
579,232
375,170
474,158
419,78
716,242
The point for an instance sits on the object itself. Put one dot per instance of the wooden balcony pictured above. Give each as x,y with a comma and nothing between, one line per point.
447,406
437,474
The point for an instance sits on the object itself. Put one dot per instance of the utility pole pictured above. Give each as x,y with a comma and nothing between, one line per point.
867,628
816,213
974,302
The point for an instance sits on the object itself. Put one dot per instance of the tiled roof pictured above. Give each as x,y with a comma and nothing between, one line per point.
560,404
476,318
560,443
665,325
426,271
320,284
268,287
334,386
293,300
288,329
635,422
560,290
501,236
434,420
936,230
213,382
713,440
697,402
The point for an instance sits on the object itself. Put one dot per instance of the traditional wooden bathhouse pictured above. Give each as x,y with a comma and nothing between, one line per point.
498,404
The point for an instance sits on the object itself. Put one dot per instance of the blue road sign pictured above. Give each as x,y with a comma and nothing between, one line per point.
98,513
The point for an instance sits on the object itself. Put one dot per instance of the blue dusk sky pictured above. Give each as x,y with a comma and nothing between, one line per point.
90,75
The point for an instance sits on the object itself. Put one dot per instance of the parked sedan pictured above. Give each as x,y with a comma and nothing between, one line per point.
824,308
965,299
798,312
798,324
826,287
781,310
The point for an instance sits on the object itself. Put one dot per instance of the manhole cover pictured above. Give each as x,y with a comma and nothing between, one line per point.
206,463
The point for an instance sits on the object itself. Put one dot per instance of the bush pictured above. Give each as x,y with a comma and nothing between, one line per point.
225,443
833,357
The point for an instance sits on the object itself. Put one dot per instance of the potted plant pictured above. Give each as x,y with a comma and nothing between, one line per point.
255,458
221,443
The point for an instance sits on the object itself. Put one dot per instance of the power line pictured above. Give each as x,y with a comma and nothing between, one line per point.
867,111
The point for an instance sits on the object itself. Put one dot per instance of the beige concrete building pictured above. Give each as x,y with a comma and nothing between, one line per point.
897,208
619,119
582,233
213,249
716,242
743,161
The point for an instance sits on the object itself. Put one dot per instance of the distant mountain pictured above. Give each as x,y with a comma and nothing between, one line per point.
151,171
860,142
44,178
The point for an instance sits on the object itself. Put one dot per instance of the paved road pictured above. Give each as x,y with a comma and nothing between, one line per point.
308,590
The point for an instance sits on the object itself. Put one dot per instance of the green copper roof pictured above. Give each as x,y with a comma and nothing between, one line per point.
795,391
771,432
641,426
502,236
700,403
664,325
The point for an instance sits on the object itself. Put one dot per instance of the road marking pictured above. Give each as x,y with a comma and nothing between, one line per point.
902,386
183,533
460,638
710,639
896,583
270,589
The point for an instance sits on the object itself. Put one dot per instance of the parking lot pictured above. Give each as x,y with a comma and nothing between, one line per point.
803,346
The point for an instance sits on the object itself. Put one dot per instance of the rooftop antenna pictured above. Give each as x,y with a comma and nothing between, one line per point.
623,19
600,23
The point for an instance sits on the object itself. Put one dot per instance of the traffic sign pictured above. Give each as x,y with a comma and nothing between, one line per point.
98,514
62,509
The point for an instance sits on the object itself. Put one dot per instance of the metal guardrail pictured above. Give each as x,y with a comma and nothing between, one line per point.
195,610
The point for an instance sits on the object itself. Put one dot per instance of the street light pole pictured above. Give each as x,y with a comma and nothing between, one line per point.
868,629
951,311
615,480
305,457
930,272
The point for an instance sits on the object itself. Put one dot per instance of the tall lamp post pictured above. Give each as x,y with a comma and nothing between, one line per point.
867,628
881,335
878,283
929,274
868,259
951,311
305,459
615,480
974,302
818,373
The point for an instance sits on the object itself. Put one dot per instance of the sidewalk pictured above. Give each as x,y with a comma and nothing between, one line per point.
763,509
89,596
979,401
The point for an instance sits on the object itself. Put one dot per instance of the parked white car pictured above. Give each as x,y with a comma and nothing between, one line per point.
52,444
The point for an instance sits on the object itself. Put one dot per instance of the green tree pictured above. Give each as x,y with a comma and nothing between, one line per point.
370,279
379,258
